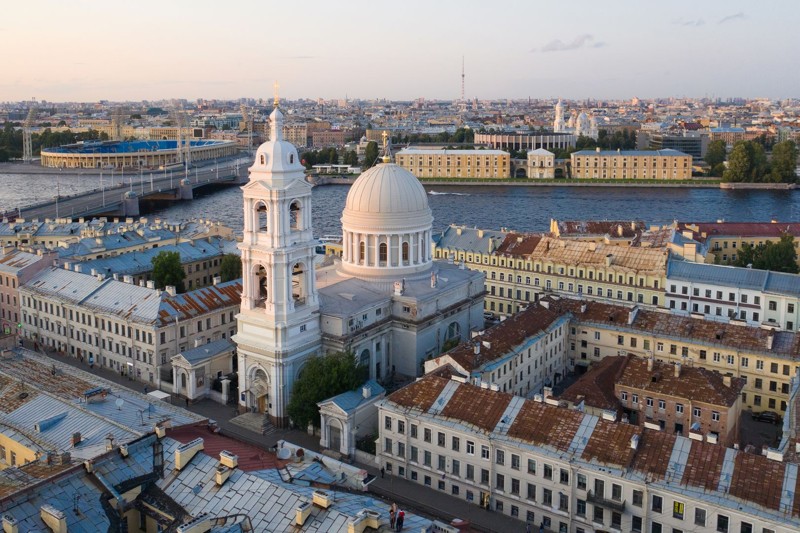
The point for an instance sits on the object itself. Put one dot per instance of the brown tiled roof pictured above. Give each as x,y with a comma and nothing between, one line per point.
546,425
705,230
587,254
518,244
596,387
23,476
696,384
421,394
43,378
613,228
758,479
667,325
655,448
704,465
610,443
461,406
503,337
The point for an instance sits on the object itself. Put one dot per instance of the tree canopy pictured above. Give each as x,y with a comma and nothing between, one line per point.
230,267
168,270
715,157
776,256
748,162
323,377
784,162
370,154
319,157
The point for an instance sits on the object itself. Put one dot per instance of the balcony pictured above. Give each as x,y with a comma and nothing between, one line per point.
615,505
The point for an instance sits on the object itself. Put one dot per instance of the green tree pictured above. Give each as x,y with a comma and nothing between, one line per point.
776,256
784,162
370,154
350,158
585,143
320,379
739,164
168,270
230,267
716,152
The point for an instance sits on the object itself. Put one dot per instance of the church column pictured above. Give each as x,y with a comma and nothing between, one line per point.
345,250
376,242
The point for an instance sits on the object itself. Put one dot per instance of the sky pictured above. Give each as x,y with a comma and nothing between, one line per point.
88,50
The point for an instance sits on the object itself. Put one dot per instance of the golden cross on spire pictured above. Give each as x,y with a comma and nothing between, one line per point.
275,86
386,157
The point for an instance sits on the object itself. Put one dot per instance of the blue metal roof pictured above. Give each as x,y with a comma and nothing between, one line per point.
349,401
125,147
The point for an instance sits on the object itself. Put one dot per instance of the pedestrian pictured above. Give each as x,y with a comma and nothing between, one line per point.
391,519
383,472
541,527
401,516
145,389
187,401
527,527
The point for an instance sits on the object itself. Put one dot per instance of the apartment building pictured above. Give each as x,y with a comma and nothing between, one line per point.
521,355
661,396
425,163
616,232
576,472
522,268
631,164
723,240
741,295
16,269
765,359
131,329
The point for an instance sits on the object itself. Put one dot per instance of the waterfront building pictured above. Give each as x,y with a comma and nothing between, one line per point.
387,301
742,295
577,472
723,240
526,140
541,164
522,268
124,154
16,269
201,261
668,397
101,237
631,164
431,163
130,329
612,232
692,143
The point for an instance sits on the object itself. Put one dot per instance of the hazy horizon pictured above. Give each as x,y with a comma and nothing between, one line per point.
86,51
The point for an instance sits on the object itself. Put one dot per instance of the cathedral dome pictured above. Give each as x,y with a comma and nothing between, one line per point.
276,157
386,225
387,196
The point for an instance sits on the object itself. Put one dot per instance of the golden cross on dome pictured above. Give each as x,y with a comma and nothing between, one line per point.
386,157
275,86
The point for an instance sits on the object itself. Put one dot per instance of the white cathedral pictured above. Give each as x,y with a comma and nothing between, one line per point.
578,123
386,301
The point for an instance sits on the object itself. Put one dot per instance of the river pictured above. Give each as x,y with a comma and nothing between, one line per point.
492,207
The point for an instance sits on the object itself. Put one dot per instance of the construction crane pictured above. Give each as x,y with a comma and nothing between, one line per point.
27,141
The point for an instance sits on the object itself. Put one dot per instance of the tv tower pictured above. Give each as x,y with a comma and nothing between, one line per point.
462,79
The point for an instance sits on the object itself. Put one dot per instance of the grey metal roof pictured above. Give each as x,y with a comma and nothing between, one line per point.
469,239
729,276
649,153
206,352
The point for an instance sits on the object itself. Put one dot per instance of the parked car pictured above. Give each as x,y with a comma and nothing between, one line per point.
767,416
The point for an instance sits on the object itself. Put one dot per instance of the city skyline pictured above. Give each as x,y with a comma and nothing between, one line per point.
83,51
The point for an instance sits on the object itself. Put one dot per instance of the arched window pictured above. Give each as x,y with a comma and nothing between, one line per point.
405,250
362,251
363,359
259,286
295,218
291,159
262,159
299,287
262,214
382,252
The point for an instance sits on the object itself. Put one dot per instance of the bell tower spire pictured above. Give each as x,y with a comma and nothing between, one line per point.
279,316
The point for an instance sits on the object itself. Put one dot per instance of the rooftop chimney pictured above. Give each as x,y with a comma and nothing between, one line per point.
770,340
650,363
726,380
217,280
634,442
677,370
10,524
171,290
609,259
53,518
366,391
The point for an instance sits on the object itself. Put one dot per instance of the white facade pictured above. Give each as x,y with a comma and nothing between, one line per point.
575,472
541,164
278,326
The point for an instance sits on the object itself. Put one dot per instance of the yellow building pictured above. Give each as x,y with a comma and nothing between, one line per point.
766,359
455,163
631,164
723,240
522,268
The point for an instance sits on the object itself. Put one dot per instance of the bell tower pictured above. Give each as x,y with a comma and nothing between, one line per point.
278,323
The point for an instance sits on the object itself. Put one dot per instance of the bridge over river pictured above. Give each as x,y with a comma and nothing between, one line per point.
122,198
